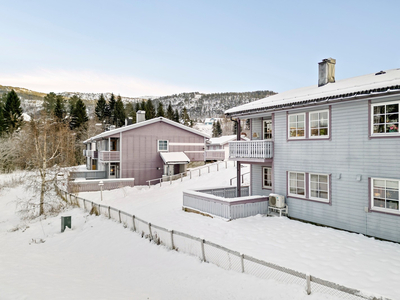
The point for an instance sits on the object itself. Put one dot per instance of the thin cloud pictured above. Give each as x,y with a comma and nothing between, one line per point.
88,82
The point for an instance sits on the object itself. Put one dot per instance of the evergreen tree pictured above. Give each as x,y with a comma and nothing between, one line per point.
59,109
185,117
12,112
137,106
143,105
214,130
170,112
79,116
71,103
160,110
150,111
49,103
218,128
119,113
130,111
100,109
111,105
176,116
2,121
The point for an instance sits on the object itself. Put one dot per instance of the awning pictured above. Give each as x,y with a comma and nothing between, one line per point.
174,158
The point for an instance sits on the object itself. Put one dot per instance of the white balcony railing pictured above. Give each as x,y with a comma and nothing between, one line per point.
90,153
251,149
107,156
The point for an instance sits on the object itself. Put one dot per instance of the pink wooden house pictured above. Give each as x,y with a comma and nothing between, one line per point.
144,151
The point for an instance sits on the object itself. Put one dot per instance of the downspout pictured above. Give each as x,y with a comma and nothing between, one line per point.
238,183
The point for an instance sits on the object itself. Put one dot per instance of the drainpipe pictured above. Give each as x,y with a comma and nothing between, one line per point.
238,183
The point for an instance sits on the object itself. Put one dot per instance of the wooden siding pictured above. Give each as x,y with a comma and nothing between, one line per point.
349,153
139,155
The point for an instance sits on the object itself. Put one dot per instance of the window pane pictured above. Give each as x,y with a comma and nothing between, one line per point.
293,190
392,108
379,109
323,131
392,194
379,193
392,205
313,116
314,124
392,127
323,187
314,177
313,185
293,183
300,176
323,178
391,184
392,118
324,116
300,133
300,192
300,118
378,182
292,176
323,195
379,203
292,132
314,132
314,194
323,123
292,119
379,128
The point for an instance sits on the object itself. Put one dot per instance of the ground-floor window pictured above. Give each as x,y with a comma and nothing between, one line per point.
267,177
319,187
385,194
297,184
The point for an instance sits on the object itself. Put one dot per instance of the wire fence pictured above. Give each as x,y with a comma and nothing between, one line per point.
216,254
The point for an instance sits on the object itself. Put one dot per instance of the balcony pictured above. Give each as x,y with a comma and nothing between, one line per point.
251,151
109,156
90,153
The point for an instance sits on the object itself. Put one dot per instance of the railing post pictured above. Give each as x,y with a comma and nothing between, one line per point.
308,284
242,261
202,250
119,215
133,222
151,235
172,240
109,212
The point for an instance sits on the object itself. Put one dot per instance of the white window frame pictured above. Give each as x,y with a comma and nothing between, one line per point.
309,125
264,132
328,187
288,127
158,146
384,209
263,180
373,105
304,188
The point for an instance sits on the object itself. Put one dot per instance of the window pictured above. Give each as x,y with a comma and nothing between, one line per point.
296,126
267,129
319,187
385,119
297,184
319,124
385,194
267,177
162,145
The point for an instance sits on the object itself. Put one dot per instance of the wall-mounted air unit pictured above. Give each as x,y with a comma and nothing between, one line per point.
277,200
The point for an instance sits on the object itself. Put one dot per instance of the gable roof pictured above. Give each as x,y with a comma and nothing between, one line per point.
371,84
145,123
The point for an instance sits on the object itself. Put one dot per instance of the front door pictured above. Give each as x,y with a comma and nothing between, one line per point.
114,170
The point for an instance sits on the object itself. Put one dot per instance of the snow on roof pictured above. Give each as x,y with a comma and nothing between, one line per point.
221,140
173,158
145,123
345,88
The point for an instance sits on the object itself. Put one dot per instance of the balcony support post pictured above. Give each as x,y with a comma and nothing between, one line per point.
238,183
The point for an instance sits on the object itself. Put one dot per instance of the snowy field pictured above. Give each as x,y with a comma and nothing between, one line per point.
99,259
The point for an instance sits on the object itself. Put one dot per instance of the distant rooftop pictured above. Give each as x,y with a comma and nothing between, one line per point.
371,84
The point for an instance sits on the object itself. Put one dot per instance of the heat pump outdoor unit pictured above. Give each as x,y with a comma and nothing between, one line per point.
277,200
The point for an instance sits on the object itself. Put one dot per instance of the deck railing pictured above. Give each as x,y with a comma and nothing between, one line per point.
109,156
215,154
251,149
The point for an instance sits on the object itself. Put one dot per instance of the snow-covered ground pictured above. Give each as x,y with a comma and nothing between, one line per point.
99,259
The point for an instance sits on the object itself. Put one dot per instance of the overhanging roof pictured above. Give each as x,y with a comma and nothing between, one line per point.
174,158
366,85
145,123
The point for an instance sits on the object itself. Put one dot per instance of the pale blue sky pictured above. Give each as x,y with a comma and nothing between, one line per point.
148,47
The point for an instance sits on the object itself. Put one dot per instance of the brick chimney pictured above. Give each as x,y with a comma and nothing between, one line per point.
326,71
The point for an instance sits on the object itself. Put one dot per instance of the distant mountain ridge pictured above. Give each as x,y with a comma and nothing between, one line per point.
199,105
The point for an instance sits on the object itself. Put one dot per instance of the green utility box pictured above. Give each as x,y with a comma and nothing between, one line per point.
65,222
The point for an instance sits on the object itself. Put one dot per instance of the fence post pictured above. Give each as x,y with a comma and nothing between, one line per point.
84,204
208,169
119,215
242,261
170,179
109,212
181,177
199,172
172,240
217,167
202,250
151,235
99,210
133,221
160,181
190,174
308,284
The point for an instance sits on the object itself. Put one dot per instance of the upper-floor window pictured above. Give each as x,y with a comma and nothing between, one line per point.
267,129
319,123
267,177
162,145
385,119
297,125
385,194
